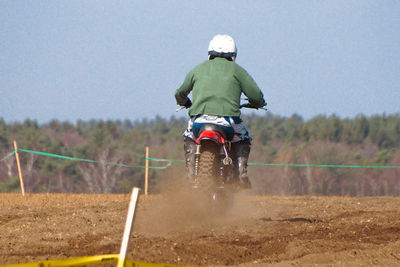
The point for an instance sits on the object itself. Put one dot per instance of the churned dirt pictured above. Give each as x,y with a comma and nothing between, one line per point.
173,228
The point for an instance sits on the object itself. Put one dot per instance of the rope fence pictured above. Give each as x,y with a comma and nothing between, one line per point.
298,165
169,163
87,160
9,155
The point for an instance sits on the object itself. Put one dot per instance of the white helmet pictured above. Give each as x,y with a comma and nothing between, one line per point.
222,46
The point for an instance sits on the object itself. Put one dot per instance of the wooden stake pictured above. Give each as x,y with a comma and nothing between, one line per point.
128,227
21,180
146,175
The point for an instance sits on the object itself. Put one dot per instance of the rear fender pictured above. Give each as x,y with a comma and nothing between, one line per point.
212,136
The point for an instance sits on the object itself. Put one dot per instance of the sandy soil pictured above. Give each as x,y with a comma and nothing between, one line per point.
172,228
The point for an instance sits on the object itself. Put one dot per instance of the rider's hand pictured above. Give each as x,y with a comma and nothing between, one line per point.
188,103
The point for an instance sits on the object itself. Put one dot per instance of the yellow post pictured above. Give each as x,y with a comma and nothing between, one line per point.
146,175
21,181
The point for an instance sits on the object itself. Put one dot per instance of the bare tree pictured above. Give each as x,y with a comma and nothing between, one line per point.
9,164
31,178
102,177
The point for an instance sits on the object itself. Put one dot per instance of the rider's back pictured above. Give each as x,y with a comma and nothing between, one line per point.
216,86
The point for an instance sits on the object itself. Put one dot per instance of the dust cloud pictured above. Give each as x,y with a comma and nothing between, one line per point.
181,208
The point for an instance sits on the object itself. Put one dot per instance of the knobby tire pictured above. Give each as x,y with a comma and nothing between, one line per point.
207,168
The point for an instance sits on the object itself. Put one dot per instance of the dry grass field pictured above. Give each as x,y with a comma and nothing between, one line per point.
170,228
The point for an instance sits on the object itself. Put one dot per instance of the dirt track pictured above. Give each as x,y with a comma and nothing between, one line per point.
276,230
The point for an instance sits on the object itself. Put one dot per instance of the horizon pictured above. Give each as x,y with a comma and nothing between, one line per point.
186,118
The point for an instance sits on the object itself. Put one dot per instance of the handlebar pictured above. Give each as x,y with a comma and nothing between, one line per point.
248,105
179,109
245,105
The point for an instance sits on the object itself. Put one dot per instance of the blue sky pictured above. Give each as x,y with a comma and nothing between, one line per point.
71,60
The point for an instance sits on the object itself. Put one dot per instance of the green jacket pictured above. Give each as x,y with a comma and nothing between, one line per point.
217,85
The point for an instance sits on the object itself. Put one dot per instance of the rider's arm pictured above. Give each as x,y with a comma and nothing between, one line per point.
182,92
250,89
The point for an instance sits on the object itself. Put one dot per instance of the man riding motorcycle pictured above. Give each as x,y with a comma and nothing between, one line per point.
216,86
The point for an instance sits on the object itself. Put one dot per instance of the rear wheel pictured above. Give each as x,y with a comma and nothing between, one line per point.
217,197
208,166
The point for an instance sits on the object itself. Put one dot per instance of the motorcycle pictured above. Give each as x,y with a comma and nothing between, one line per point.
215,172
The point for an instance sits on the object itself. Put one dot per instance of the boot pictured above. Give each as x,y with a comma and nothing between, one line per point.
241,152
243,177
190,149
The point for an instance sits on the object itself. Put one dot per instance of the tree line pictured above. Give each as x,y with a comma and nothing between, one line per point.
362,140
